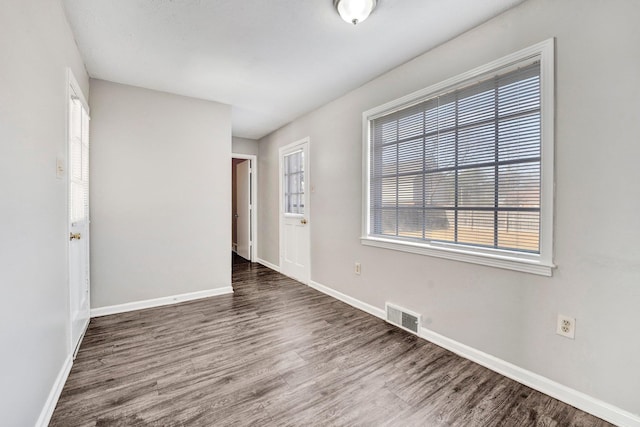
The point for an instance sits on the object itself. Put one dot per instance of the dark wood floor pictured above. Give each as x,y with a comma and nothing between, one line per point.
279,353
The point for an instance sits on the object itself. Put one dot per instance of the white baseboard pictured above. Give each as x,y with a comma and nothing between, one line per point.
549,387
353,302
54,394
157,302
268,264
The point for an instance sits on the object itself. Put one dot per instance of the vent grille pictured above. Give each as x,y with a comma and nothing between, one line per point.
403,318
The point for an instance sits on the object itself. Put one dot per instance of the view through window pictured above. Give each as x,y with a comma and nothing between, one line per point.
463,167
294,183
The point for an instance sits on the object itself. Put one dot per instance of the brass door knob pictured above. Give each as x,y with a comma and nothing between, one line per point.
303,221
75,236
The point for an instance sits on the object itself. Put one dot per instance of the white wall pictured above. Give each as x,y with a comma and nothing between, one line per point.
36,47
161,194
507,314
244,146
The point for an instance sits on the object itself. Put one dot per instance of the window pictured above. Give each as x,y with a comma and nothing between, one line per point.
464,169
78,159
294,183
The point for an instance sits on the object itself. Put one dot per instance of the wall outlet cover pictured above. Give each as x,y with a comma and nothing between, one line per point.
566,326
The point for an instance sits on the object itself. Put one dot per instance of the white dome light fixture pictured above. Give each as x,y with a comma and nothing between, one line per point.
354,11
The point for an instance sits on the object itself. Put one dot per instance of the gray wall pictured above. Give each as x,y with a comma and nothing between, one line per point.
36,47
161,194
507,314
244,146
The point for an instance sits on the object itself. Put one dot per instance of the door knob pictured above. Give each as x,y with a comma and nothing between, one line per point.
74,236
303,221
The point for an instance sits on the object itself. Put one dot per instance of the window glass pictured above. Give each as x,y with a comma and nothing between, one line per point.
294,183
463,167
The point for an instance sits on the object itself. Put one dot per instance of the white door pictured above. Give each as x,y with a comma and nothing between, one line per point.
294,211
243,209
78,178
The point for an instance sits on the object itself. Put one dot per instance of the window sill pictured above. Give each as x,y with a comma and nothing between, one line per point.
531,265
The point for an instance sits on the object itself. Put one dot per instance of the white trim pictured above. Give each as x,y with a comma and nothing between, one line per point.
573,397
157,302
549,387
54,393
72,82
84,331
268,264
307,209
459,254
547,162
353,302
530,263
544,49
254,201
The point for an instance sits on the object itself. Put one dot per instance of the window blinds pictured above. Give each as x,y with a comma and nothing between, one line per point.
462,167
294,183
78,161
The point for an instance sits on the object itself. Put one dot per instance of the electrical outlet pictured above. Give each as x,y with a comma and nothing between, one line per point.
357,268
566,326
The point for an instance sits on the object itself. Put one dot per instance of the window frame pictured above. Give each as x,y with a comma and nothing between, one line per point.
534,263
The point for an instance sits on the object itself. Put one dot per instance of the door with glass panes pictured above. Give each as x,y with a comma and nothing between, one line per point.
78,181
294,211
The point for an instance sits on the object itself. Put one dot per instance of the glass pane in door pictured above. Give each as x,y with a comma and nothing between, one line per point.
294,183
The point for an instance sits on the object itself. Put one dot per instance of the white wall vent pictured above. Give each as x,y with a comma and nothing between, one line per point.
403,318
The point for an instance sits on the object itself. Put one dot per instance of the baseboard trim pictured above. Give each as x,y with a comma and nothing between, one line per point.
268,264
54,394
573,397
549,387
157,302
353,302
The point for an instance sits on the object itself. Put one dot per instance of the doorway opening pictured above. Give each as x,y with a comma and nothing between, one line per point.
244,206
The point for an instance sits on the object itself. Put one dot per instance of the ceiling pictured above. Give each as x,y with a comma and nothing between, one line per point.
272,61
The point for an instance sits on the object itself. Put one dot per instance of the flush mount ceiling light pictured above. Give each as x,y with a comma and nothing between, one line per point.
354,11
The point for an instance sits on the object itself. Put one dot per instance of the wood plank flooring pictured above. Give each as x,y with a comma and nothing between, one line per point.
278,353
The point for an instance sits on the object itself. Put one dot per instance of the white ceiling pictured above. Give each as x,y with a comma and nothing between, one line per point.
272,60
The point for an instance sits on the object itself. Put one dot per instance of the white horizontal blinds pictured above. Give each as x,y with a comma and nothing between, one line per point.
78,161
462,167
85,162
294,183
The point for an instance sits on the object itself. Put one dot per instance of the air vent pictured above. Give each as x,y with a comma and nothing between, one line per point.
403,318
